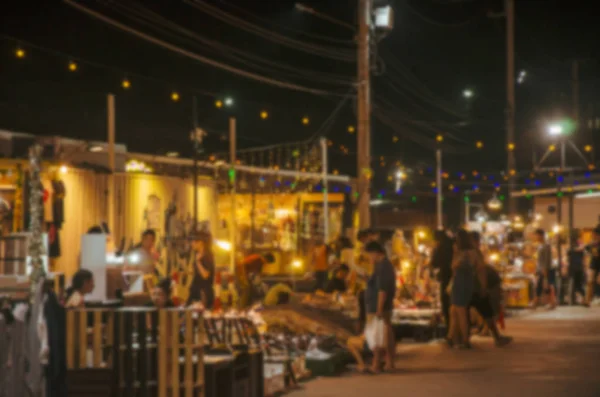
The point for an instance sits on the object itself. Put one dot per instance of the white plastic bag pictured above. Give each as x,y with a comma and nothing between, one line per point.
375,334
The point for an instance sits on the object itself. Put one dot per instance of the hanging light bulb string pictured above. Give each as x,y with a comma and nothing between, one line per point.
35,248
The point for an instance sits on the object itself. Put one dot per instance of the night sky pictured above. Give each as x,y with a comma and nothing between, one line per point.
437,49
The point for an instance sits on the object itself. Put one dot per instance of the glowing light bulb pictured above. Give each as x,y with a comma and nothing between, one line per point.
73,66
175,96
305,121
126,84
351,129
20,53
264,115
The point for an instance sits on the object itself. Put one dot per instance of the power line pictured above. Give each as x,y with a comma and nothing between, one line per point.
197,57
325,52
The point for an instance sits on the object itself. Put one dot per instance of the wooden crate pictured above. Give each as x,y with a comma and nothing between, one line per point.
135,352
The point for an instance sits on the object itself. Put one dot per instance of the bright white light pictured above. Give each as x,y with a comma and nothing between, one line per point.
522,76
400,175
228,101
384,18
422,234
406,264
96,149
468,93
494,204
556,228
555,129
538,217
134,258
64,169
224,245
297,263
495,257
421,248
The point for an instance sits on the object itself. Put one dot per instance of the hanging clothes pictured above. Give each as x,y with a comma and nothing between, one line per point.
48,197
53,241
58,202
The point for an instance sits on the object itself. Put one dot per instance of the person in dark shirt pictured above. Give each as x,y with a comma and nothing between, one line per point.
337,283
441,259
594,252
576,257
379,299
161,295
203,263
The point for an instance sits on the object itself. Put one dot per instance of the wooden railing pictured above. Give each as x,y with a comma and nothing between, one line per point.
142,352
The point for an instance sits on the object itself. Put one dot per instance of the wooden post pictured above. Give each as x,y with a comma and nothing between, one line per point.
110,106
233,182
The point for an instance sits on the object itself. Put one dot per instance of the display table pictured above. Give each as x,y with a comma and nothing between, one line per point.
219,376
421,325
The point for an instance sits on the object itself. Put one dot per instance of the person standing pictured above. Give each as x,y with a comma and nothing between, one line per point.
546,276
441,259
576,256
594,251
487,293
379,299
320,262
203,262
465,261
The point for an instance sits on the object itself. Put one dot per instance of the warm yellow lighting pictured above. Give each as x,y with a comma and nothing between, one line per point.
224,245
172,154
395,139
511,146
479,144
512,172
305,121
552,148
175,96
137,166
591,167
405,265
556,229
495,257
264,115
218,104
538,217
96,149
64,169
20,53
439,138
421,234
297,263
588,148
126,84
73,66
351,129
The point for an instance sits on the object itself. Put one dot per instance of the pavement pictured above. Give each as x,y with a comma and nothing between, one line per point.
555,353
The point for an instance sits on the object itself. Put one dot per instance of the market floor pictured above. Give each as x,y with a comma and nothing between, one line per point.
555,353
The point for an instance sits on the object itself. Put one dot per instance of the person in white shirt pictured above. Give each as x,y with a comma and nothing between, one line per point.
81,285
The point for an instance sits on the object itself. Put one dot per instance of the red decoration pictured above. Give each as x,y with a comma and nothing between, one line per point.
45,195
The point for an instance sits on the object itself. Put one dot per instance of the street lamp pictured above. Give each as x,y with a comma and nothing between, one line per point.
555,129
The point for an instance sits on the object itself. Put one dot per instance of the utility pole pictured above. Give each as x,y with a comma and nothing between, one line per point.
509,10
196,148
325,161
438,184
364,113
575,75
110,122
233,184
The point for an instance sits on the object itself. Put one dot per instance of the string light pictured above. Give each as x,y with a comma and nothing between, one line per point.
126,84
175,96
479,145
512,172
264,115
305,120
73,66
439,138
588,148
552,148
20,53
511,146
395,139
351,129
218,104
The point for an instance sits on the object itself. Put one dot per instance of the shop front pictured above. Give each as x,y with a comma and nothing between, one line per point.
285,224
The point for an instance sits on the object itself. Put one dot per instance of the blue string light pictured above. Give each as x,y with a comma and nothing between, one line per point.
537,182
588,174
560,179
